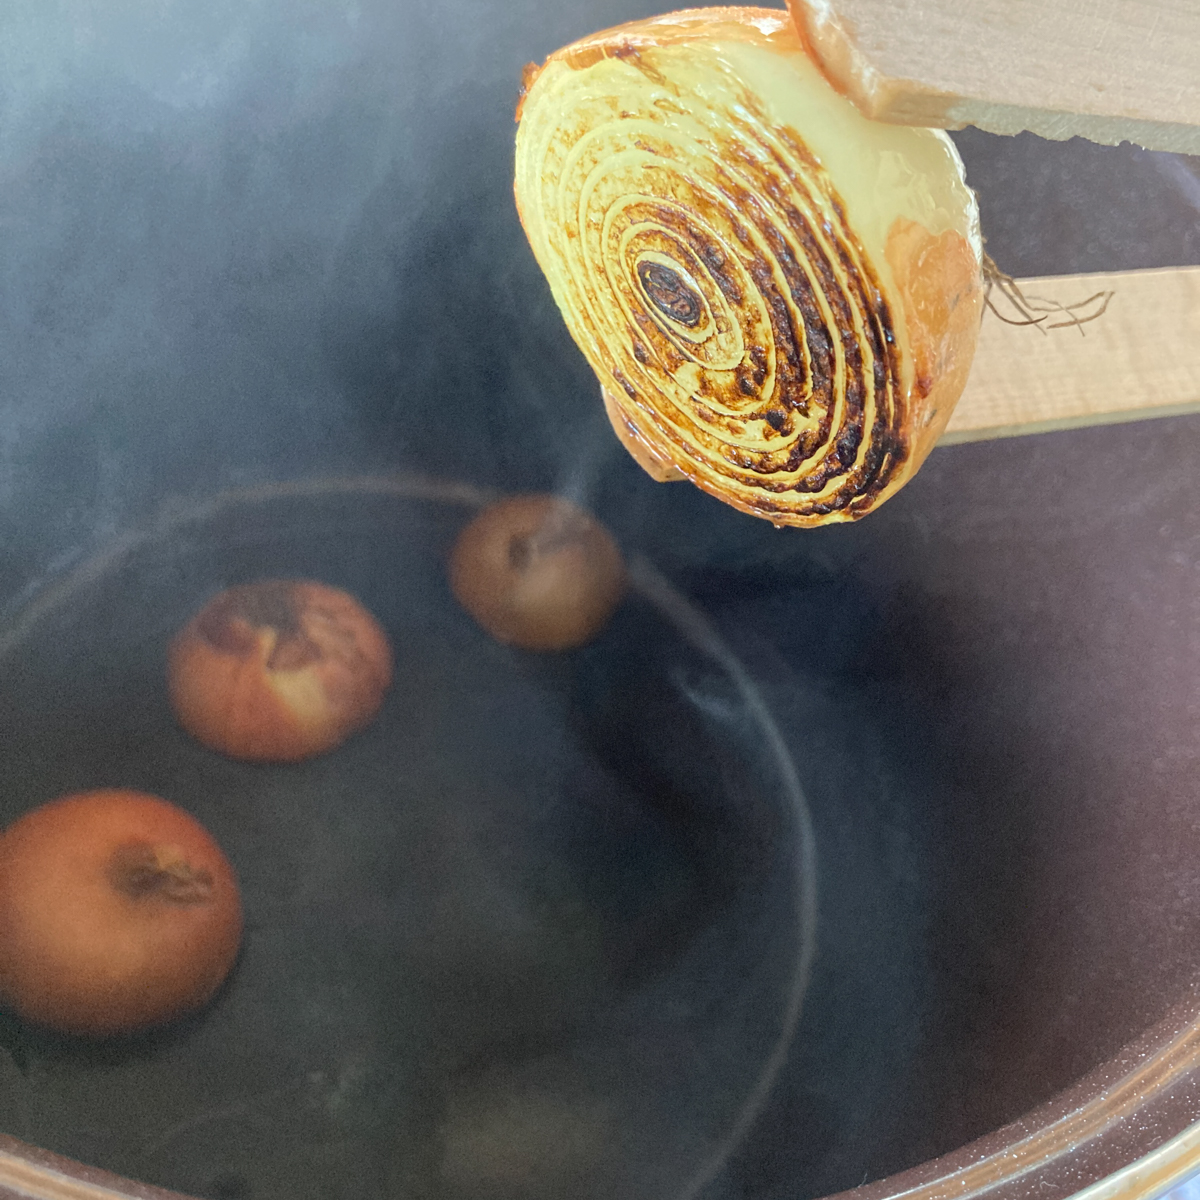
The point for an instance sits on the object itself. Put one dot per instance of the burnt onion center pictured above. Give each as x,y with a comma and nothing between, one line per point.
670,293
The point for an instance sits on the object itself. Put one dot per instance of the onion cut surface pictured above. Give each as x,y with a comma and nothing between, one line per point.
779,296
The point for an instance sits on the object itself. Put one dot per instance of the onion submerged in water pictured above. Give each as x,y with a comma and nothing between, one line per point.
779,296
278,671
537,572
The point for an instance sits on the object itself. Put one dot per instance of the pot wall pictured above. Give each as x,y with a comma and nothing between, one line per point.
253,241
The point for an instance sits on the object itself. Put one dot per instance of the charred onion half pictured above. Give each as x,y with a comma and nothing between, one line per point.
779,296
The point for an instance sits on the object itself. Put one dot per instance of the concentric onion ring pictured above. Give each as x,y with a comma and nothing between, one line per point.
779,297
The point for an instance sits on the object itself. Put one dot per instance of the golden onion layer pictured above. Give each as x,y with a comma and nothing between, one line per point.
779,297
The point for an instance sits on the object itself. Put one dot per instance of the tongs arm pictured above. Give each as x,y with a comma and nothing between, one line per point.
1106,70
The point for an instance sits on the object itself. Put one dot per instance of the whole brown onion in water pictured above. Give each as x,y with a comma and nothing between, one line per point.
537,572
278,670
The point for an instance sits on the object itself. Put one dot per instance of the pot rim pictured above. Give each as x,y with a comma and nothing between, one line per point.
1149,1093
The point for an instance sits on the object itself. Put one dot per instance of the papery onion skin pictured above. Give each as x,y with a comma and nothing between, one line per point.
779,297
537,572
278,671
118,912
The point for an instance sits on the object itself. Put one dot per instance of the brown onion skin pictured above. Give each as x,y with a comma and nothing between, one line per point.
537,572
278,671
118,912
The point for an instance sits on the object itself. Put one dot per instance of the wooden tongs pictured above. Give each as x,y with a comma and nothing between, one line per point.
1106,70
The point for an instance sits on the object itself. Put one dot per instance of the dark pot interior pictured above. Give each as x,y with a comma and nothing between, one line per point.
249,243
545,925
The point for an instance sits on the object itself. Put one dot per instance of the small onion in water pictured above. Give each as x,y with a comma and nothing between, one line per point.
278,671
537,572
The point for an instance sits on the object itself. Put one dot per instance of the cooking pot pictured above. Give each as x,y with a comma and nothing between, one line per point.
852,860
